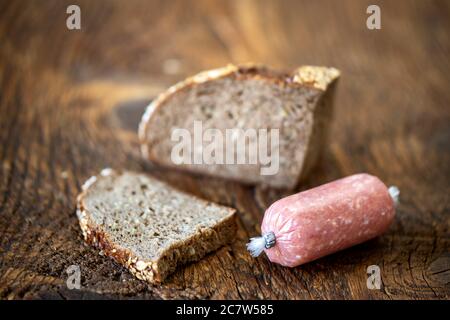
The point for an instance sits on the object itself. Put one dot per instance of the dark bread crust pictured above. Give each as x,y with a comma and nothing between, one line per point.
191,249
319,80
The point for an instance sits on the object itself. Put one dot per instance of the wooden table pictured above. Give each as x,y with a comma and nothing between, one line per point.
70,101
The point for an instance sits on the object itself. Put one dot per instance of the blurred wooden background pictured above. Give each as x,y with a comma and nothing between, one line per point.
70,102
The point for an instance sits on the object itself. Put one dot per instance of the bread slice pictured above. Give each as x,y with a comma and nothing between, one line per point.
148,226
299,104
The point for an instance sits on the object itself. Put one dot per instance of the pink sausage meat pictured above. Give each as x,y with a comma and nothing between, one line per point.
317,222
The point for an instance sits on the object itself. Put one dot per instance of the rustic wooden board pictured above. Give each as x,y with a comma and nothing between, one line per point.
70,102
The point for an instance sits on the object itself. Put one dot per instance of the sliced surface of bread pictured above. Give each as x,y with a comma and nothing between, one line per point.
298,104
148,226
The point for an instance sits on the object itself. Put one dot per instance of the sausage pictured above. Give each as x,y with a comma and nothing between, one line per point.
311,224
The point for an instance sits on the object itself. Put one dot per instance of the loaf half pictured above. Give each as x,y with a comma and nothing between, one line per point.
148,226
298,105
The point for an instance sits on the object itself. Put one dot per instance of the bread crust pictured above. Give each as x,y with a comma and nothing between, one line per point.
154,272
314,77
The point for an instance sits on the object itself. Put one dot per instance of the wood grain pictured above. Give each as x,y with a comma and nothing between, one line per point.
70,102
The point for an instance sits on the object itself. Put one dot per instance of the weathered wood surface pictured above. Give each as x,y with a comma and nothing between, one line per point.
70,102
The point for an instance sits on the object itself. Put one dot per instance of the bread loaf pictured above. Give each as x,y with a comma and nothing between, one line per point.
298,104
148,226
